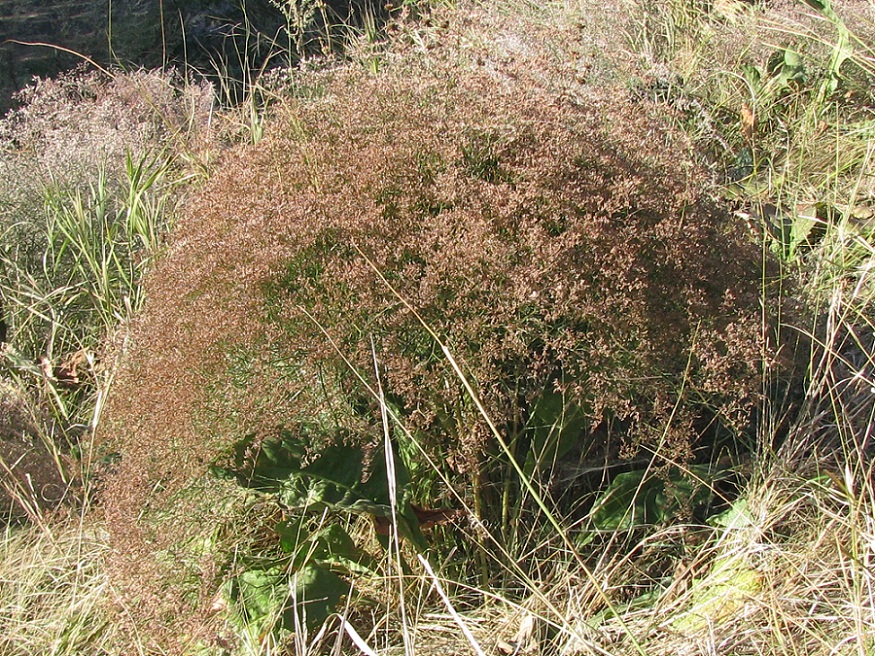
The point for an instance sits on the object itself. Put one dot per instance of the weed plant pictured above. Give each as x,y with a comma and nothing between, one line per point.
600,305
484,279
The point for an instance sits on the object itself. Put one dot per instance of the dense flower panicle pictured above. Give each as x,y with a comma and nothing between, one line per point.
553,245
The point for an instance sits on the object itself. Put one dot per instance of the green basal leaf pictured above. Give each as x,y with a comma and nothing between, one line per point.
641,498
737,516
801,233
786,68
258,598
752,74
335,481
330,546
293,533
267,599
719,595
317,594
555,427
262,467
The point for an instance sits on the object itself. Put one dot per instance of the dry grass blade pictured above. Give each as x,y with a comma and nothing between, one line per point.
54,590
472,641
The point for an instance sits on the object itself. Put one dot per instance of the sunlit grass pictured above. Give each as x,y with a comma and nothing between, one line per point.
783,562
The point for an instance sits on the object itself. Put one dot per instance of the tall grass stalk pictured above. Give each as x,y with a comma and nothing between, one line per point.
395,559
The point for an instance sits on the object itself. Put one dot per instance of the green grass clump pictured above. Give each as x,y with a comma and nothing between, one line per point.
89,170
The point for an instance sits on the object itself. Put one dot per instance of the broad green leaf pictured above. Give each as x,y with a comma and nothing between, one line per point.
720,595
260,591
752,74
335,481
555,426
330,546
802,232
266,599
257,599
843,49
736,516
317,594
786,68
639,498
796,232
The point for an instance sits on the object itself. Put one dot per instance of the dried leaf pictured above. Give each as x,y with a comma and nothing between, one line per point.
748,121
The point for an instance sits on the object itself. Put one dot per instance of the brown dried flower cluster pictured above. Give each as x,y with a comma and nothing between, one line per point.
553,245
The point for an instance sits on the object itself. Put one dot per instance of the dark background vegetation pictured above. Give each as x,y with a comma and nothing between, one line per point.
196,34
